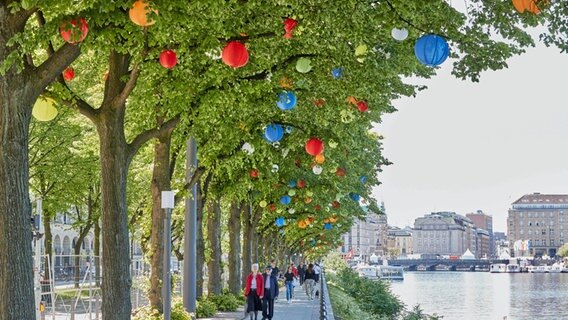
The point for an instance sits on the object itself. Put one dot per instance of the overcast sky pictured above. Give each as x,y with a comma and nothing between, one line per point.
462,146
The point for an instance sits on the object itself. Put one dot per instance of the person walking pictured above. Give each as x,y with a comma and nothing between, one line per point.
270,293
275,270
289,281
301,273
317,270
310,281
254,292
295,272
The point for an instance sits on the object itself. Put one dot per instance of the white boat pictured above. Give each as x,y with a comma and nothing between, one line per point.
556,268
538,269
498,268
442,267
369,272
513,268
391,273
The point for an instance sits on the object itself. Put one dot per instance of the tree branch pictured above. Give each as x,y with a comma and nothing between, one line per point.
145,136
54,66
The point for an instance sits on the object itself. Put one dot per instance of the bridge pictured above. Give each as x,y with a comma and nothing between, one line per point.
445,264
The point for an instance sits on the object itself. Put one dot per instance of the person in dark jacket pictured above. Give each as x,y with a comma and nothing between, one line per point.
254,292
310,281
270,293
275,271
301,272
289,281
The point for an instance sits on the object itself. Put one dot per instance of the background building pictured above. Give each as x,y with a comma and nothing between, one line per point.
444,233
399,242
367,237
538,220
484,221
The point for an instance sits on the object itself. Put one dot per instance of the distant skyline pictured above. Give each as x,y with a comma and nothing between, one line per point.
462,146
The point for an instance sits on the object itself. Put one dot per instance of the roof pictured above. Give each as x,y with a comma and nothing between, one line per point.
542,198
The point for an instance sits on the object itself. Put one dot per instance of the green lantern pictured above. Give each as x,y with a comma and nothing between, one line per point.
304,65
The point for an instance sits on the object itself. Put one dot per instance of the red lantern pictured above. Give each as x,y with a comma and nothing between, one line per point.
317,207
289,25
319,102
340,172
68,74
74,31
253,173
362,106
301,184
168,59
272,207
314,146
235,54
335,204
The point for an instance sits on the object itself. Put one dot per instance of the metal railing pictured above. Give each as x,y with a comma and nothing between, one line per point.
326,312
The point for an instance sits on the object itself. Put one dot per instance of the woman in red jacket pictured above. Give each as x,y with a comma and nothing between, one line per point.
254,291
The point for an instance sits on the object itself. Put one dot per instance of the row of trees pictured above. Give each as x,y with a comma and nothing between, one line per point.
122,97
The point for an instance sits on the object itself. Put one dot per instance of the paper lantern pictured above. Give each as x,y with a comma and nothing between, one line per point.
285,200
319,102
399,34
286,100
336,204
432,50
302,224
327,226
272,207
286,83
248,148
333,219
332,144
311,219
363,179
340,172
314,146
301,184
526,5
361,52
68,74
291,211
317,169
168,59
292,192
362,106
320,158
304,65
317,207
263,204
273,132
74,31
354,196
292,184
275,168
336,73
280,221
44,110
308,200
139,12
289,25
235,54
253,173
351,100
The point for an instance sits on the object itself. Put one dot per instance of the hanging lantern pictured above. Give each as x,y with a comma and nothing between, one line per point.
74,31
168,59
280,221
363,179
304,65
273,132
44,110
332,144
272,207
235,54
399,34
139,12
317,207
253,173
362,106
311,219
301,184
320,158
285,200
432,50
275,168
340,172
317,169
263,204
286,83
302,224
354,196
319,102
327,226
314,146
68,74
526,5
336,73
292,184
333,219
361,52
286,100
292,192
248,148
335,204
308,200
289,25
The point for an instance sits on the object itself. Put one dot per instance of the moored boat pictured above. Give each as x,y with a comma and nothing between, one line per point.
498,268
513,268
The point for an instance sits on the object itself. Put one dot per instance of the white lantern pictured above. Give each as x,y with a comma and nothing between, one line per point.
317,169
248,148
275,168
399,34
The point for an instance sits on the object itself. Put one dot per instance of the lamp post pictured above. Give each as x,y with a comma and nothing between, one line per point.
168,204
190,232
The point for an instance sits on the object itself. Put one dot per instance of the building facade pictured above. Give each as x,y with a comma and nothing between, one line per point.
536,224
443,233
482,244
484,221
367,237
399,242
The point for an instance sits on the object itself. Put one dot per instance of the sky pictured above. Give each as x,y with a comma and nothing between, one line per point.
462,146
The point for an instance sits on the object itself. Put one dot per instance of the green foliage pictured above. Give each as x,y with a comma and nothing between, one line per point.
205,307
225,302
418,314
149,313
563,250
345,307
334,263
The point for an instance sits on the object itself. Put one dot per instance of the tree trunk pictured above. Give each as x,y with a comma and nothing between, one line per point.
254,237
200,244
97,253
77,262
234,226
247,248
47,243
214,265
160,182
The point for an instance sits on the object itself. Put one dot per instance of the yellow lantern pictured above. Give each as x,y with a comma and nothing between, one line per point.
320,158
44,110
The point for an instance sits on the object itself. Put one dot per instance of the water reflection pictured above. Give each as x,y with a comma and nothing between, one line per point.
482,295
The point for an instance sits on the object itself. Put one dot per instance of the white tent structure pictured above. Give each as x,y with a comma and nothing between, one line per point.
468,255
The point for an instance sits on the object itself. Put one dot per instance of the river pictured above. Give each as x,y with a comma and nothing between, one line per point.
484,295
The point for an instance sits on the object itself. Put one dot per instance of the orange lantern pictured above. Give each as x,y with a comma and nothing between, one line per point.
235,54
286,83
139,13
302,224
308,200
352,100
320,158
333,219
526,5
326,220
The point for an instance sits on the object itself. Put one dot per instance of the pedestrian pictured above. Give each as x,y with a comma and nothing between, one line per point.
317,270
310,281
295,272
270,293
289,281
301,273
275,270
254,292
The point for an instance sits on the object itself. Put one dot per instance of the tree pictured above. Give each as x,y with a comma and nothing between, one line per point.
563,250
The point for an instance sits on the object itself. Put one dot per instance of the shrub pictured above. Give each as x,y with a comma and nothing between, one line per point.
334,263
345,307
205,308
149,313
418,314
225,302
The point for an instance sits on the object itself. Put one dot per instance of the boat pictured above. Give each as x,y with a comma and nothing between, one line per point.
556,268
422,268
442,267
368,272
391,273
498,268
513,268
538,269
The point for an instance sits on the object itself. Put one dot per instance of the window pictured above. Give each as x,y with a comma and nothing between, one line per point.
551,242
521,214
561,241
536,242
543,232
530,223
552,214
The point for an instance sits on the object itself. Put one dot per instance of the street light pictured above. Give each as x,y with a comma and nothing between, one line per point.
168,204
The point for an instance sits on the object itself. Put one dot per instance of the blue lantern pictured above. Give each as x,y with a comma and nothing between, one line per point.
355,197
327,226
292,184
280,222
289,129
363,179
273,133
285,200
286,100
336,73
432,50
313,242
